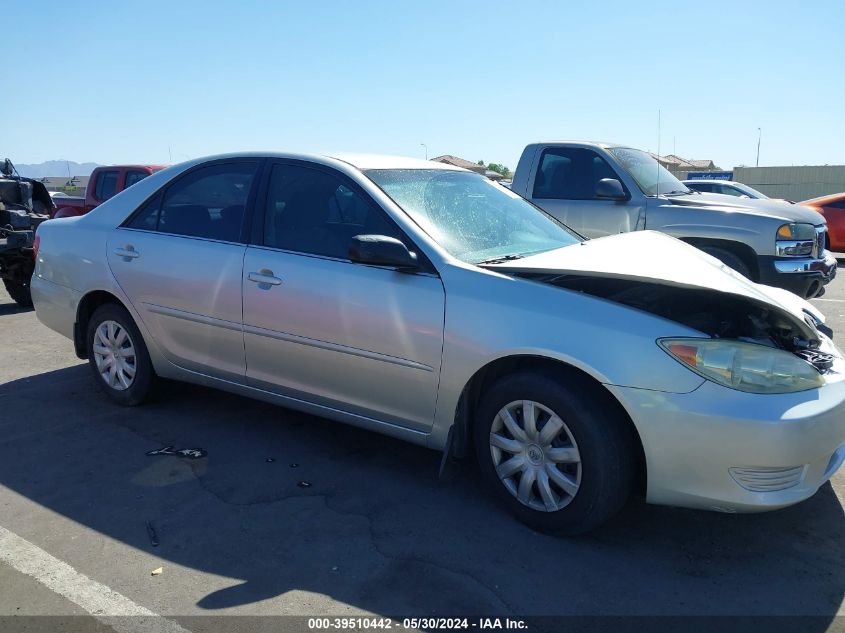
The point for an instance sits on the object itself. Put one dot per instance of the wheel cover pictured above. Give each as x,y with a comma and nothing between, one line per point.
114,354
535,456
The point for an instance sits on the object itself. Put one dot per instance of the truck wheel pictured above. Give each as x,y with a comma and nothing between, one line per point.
554,451
118,356
19,292
729,259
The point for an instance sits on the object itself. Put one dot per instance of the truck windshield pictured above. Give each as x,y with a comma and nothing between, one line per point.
473,218
652,177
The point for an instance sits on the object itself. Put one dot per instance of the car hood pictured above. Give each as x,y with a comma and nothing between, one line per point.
656,258
786,211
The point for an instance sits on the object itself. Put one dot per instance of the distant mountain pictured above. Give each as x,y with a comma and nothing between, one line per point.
55,168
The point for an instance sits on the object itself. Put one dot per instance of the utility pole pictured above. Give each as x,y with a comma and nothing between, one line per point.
759,136
426,150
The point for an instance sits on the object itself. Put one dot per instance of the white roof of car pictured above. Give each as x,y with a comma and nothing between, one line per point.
721,182
358,161
377,161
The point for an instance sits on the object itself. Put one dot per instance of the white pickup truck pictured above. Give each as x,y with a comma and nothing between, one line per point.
601,189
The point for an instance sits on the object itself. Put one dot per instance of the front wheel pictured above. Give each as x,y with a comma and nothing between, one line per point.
554,451
729,259
19,292
118,356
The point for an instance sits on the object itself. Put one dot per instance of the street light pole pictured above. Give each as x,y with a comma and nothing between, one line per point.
759,136
426,150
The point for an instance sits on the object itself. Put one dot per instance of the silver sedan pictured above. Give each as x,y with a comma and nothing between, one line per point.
428,303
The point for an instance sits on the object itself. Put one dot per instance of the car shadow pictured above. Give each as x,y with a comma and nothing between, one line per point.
12,308
285,501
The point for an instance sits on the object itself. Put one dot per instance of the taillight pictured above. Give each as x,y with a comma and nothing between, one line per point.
35,246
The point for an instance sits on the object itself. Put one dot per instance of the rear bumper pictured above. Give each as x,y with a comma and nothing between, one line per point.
804,277
720,449
55,305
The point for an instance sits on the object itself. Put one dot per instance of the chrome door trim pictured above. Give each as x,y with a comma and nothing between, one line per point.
335,347
192,316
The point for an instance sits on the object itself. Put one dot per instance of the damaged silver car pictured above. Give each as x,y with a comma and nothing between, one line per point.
428,303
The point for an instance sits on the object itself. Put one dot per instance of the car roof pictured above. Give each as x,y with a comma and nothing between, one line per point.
823,200
585,144
358,161
134,166
378,161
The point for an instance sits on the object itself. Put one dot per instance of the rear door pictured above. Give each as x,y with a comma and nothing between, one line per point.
565,186
363,339
179,259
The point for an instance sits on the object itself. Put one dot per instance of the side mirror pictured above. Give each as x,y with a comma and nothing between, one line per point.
381,250
611,189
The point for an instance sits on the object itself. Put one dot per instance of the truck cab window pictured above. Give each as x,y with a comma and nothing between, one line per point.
570,173
134,176
106,185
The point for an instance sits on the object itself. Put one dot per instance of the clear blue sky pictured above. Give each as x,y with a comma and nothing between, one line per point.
122,81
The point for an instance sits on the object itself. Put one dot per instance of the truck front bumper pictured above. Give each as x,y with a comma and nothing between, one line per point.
805,277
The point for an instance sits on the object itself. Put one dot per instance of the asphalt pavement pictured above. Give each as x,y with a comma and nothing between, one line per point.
288,514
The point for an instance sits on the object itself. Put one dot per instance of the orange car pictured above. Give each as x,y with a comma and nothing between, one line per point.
832,207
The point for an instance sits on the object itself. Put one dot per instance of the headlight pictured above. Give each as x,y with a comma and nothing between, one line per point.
795,239
744,366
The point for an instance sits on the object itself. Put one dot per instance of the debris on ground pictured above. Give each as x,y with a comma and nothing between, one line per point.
151,532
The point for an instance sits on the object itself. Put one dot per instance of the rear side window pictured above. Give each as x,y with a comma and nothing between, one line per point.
208,202
730,191
106,185
570,173
134,176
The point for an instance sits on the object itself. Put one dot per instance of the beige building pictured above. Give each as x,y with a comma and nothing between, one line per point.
793,183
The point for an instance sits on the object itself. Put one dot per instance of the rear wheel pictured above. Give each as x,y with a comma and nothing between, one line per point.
554,451
19,292
118,356
729,259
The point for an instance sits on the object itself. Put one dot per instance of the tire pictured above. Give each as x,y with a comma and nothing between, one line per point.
601,436
729,259
130,383
19,292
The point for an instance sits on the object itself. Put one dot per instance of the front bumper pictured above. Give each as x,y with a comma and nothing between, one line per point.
720,449
806,277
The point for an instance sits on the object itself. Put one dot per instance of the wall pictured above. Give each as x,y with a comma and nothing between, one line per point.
793,183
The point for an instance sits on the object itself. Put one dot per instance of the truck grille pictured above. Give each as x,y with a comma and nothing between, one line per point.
767,479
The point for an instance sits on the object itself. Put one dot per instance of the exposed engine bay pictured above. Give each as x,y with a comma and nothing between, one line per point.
717,314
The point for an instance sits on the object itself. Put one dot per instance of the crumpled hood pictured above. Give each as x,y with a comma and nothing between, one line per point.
649,256
764,207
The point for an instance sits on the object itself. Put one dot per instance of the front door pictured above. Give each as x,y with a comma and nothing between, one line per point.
179,259
363,339
565,186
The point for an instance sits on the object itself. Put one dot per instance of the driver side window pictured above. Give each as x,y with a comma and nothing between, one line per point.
313,212
570,173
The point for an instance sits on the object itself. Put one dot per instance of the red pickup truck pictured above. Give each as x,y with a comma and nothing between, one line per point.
104,183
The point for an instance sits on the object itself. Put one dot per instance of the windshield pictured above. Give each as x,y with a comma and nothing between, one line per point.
473,218
652,177
750,191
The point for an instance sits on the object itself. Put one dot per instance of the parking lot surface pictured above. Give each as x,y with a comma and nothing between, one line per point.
292,514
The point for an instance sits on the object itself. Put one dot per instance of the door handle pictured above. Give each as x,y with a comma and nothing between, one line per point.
127,253
264,276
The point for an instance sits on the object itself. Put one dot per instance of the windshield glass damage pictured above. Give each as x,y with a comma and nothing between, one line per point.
473,218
